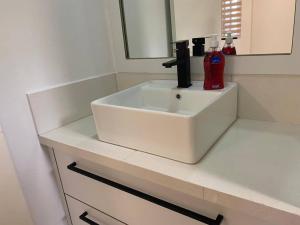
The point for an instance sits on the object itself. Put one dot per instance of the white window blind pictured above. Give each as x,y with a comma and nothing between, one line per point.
231,17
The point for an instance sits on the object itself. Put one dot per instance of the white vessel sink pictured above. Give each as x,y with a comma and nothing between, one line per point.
158,118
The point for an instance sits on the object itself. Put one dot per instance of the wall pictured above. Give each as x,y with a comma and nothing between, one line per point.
275,64
45,43
147,36
15,210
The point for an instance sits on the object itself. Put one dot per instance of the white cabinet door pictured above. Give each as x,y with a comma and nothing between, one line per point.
82,214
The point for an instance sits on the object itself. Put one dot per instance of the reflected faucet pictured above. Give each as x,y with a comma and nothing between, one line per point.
183,64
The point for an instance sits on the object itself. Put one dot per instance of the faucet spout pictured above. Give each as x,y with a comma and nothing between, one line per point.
170,63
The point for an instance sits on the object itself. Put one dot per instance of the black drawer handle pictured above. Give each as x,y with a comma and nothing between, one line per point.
147,197
84,218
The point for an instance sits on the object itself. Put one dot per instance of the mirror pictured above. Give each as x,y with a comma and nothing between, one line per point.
259,26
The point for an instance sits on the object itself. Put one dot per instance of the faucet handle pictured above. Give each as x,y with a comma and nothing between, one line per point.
180,45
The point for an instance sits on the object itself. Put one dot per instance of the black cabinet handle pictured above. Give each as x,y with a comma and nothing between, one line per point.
203,219
84,218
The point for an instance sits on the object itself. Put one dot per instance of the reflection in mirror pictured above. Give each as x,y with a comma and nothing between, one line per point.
260,26
147,24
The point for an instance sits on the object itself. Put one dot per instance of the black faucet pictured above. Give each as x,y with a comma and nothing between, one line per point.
183,64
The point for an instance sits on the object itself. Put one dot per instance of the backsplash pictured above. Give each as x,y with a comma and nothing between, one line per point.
57,106
126,80
261,97
269,97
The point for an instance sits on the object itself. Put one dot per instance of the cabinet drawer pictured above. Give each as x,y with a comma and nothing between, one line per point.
134,210
128,205
82,214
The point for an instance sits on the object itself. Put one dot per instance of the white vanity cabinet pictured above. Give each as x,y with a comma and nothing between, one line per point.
97,195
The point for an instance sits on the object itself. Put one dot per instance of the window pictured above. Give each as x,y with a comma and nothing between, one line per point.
231,17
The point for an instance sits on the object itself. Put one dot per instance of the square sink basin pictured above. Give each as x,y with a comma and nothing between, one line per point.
158,118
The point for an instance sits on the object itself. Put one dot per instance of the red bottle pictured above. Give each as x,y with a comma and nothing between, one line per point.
214,64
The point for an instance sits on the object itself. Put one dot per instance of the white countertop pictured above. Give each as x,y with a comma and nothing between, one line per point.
254,161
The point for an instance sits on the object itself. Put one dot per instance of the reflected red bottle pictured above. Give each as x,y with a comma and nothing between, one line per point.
229,50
